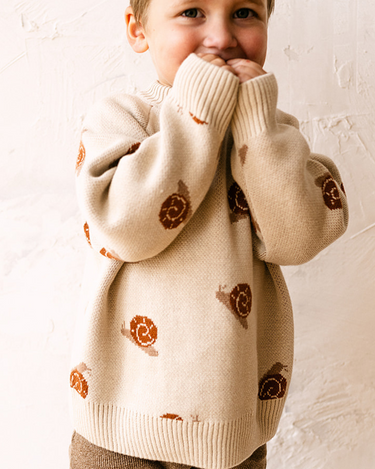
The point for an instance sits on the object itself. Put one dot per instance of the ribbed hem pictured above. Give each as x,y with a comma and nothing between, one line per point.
256,108
209,444
207,91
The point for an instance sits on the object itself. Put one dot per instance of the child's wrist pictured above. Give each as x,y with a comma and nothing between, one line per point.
206,91
256,107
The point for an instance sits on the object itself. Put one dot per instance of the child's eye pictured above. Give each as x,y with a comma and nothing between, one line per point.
191,13
244,13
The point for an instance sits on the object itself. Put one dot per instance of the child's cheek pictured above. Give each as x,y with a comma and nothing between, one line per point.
256,47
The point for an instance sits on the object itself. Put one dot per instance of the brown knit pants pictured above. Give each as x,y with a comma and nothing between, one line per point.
85,455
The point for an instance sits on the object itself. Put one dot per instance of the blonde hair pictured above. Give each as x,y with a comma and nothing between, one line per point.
140,9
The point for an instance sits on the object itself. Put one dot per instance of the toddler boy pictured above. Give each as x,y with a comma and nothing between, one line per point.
193,193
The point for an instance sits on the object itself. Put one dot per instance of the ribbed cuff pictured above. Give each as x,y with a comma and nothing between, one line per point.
256,108
207,91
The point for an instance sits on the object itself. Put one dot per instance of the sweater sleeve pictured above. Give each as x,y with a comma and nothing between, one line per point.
140,180
297,200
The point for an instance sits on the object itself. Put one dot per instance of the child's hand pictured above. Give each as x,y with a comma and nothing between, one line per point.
245,69
216,60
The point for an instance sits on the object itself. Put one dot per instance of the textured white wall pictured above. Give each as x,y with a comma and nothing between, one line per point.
58,57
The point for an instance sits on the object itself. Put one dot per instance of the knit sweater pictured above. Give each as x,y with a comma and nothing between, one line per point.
192,196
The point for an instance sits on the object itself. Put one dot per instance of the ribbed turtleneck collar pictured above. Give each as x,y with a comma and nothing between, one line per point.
156,93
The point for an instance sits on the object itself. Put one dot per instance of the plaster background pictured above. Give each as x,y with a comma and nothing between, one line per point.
56,59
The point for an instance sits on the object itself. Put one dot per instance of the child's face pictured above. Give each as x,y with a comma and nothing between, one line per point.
227,28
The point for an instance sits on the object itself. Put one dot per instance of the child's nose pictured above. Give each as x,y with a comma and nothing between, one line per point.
219,36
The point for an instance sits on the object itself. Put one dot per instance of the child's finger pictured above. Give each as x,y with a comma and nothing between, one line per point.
218,61
246,64
247,71
230,69
211,58
236,61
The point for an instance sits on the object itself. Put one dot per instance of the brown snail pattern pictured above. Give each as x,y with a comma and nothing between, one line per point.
198,121
78,381
87,233
109,255
242,153
81,158
237,200
331,194
237,203
176,208
130,151
172,417
143,333
241,300
273,384
133,148
238,301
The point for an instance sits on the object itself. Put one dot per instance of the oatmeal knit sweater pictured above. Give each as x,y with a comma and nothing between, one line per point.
192,197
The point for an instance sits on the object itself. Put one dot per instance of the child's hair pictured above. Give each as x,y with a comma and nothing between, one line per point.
140,8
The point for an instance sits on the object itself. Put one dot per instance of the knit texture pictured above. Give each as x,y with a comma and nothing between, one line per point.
192,197
85,455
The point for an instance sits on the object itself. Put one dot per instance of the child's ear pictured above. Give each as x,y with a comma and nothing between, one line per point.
135,32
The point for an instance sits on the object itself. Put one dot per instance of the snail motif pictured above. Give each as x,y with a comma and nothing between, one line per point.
242,153
198,121
78,381
239,208
173,211
143,331
172,417
133,148
81,157
273,385
238,301
331,194
237,200
87,232
109,255
241,299
176,208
